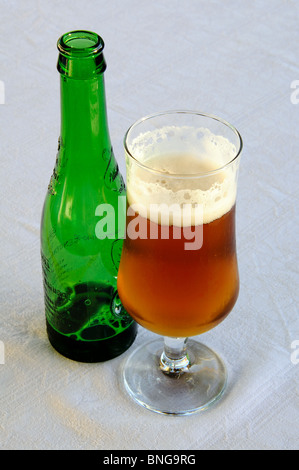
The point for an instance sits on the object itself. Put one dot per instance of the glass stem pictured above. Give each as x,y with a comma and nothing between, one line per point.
174,360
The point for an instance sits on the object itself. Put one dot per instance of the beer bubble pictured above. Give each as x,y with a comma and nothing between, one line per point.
189,166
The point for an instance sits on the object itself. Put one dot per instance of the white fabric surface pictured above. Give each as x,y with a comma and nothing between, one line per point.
235,59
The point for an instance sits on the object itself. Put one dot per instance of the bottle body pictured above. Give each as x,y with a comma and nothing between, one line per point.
85,318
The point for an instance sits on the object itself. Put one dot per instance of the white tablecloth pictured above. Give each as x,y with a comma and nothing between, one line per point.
235,59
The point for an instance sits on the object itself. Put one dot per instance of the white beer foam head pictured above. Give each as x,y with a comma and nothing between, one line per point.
177,177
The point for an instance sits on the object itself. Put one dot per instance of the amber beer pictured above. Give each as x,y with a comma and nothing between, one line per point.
177,292
171,290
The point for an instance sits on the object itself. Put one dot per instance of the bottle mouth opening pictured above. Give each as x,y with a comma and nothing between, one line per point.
80,44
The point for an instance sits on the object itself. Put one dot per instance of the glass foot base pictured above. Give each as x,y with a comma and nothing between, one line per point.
194,390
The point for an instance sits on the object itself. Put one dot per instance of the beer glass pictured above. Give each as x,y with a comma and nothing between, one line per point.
178,274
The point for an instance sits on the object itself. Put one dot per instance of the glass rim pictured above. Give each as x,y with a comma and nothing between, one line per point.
184,175
96,44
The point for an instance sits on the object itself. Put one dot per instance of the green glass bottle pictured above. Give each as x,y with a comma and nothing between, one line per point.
84,316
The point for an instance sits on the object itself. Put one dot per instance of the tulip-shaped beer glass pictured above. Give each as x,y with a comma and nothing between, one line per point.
178,275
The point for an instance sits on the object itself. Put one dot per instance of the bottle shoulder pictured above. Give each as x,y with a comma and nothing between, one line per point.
95,171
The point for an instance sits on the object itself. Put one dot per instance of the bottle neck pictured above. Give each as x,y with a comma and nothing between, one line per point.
84,127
